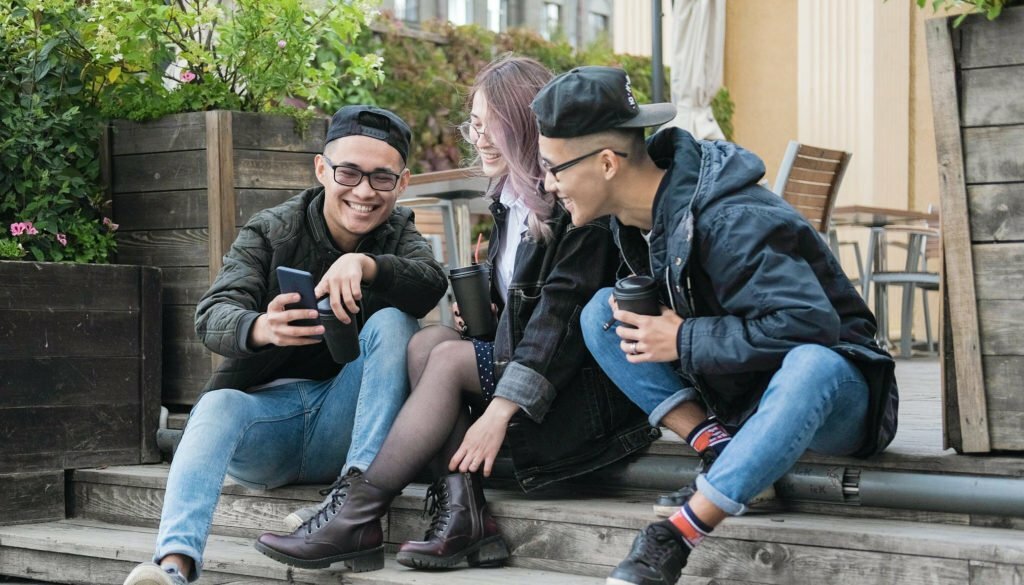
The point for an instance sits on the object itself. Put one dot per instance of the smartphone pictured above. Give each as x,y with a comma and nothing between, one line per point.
299,281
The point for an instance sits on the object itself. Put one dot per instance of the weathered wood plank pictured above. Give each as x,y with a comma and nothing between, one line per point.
1001,326
995,574
58,286
184,285
984,93
31,334
68,432
990,154
988,43
161,210
785,564
161,171
251,201
1004,382
149,368
78,381
1006,430
220,181
31,497
958,264
179,323
163,247
265,169
997,212
999,271
168,134
268,132
951,433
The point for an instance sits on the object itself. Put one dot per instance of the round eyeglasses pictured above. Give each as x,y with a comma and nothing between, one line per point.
470,132
351,176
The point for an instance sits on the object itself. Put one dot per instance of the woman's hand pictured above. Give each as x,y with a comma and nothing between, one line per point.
484,438
653,340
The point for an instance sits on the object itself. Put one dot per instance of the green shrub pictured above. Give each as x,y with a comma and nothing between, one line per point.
50,194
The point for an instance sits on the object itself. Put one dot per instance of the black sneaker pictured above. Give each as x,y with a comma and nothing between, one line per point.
657,558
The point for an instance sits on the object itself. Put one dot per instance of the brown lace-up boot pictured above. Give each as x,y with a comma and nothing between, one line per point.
346,529
462,528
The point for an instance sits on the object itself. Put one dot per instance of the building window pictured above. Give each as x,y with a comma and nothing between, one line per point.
552,20
496,14
407,10
460,12
598,26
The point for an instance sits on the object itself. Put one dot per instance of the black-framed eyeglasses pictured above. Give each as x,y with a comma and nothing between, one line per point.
554,170
351,176
470,132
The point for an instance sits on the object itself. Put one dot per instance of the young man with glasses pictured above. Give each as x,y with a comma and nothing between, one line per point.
279,410
759,326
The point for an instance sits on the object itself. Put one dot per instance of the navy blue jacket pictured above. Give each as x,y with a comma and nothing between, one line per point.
752,279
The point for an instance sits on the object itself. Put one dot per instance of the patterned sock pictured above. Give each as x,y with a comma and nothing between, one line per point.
688,526
709,435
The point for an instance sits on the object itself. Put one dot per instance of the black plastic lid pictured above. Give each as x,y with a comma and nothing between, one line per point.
635,287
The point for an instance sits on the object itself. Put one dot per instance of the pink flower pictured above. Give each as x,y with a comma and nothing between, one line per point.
187,77
30,229
62,239
282,44
18,228
110,224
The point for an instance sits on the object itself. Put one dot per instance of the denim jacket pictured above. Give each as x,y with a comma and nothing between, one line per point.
572,419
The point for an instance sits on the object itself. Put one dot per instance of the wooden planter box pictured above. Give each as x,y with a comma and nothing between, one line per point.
181,187
977,77
79,377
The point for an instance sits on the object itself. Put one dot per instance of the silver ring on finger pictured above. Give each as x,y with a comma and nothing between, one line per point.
633,349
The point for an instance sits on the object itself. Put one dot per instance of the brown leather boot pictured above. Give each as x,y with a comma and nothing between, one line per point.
346,529
462,528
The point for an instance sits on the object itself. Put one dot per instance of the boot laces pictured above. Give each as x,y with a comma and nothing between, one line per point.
437,502
338,492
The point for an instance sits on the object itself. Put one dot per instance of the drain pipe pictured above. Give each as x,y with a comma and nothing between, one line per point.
837,484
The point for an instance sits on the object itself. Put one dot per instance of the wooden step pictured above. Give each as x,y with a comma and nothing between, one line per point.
95,553
568,532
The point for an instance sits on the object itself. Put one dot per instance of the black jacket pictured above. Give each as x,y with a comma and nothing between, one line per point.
752,279
294,234
573,419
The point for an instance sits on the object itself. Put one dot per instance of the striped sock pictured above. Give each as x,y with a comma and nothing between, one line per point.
709,435
688,526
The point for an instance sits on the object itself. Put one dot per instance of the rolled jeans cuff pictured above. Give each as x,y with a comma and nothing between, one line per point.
724,503
667,405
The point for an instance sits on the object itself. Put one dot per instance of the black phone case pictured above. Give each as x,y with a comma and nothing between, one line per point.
299,281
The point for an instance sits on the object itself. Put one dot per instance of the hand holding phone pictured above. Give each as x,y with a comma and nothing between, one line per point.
301,282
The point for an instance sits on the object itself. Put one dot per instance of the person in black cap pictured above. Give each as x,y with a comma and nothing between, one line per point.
278,409
763,348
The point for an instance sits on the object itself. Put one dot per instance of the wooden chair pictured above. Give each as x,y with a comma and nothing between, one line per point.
809,180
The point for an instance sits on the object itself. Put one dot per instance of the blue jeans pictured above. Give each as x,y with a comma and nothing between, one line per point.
816,401
296,432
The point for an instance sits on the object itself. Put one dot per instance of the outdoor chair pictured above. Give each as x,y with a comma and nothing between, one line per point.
923,243
809,180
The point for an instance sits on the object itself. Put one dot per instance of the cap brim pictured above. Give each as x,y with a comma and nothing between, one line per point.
651,115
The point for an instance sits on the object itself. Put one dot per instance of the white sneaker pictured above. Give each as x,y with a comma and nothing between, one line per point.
153,574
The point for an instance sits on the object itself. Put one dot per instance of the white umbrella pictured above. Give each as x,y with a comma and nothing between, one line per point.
697,60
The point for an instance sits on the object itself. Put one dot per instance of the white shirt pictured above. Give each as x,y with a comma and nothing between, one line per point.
516,218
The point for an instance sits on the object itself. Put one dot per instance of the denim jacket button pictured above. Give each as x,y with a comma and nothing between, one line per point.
679,261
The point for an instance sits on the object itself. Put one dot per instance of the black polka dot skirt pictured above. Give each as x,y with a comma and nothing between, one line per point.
484,351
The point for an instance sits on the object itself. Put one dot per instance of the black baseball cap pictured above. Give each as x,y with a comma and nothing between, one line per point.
373,122
593,99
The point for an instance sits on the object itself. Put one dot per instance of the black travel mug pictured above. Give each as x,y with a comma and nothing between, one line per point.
638,294
472,287
342,338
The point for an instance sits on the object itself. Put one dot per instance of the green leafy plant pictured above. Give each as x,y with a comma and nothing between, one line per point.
990,8
148,58
51,202
723,108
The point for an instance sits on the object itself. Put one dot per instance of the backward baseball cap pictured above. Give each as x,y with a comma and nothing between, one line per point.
592,99
373,122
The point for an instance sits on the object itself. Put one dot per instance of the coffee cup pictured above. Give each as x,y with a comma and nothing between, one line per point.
472,288
637,294
342,338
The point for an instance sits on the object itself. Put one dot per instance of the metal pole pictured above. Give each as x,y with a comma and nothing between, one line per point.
658,75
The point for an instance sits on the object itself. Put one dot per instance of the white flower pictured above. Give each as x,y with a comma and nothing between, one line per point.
118,57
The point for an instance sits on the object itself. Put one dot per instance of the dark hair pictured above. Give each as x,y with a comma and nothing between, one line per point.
509,83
